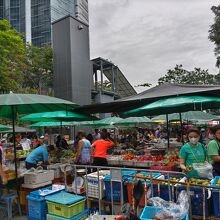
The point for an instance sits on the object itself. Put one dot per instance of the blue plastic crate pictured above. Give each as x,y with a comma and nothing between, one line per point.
36,193
83,215
150,212
216,197
64,198
116,188
164,190
37,208
197,200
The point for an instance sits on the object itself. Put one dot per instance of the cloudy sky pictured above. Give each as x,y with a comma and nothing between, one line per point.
147,37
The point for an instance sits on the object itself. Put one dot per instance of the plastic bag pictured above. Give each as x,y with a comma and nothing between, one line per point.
204,170
171,210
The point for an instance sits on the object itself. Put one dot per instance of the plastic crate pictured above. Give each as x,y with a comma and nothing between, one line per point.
65,204
216,197
150,212
162,191
37,208
91,180
197,200
82,216
165,168
130,186
116,187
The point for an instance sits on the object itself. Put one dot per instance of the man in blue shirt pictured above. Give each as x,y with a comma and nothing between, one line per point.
39,154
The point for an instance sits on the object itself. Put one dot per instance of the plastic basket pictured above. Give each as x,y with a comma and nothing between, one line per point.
65,204
216,197
162,191
48,191
82,216
37,208
150,212
165,168
197,200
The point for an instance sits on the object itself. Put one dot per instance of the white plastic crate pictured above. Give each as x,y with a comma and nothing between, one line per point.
92,182
38,177
56,168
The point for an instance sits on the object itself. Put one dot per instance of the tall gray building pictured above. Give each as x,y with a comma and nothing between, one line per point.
34,17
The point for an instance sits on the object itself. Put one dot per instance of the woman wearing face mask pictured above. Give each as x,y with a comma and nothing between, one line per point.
214,150
192,152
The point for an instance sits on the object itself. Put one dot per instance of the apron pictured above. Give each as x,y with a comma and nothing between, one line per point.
216,165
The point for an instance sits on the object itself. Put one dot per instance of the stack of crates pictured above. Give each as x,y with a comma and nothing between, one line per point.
116,186
161,189
37,206
66,206
216,196
130,184
92,184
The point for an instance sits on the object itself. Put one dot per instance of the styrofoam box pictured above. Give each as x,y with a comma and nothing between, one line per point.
91,180
38,177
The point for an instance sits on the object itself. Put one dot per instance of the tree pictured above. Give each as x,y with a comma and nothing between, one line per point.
214,33
12,58
198,76
39,74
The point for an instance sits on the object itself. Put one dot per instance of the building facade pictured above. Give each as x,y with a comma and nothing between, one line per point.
34,18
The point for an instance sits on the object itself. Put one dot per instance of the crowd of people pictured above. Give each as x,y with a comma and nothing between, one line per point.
201,145
194,151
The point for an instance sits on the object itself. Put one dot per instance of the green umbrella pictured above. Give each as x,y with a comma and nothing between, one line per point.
13,104
55,116
106,121
176,104
4,128
132,121
54,124
186,116
19,129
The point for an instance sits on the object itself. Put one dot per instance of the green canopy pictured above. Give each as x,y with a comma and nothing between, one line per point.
31,103
176,104
55,116
106,121
19,129
13,104
132,121
186,116
55,124
4,128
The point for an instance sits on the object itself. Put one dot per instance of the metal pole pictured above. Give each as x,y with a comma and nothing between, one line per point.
181,125
168,132
14,143
101,76
113,80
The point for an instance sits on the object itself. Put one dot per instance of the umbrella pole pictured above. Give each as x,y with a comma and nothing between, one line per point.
181,125
74,132
14,143
168,132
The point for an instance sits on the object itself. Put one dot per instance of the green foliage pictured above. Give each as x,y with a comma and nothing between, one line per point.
106,85
23,68
214,33
39,74
198,76
12,58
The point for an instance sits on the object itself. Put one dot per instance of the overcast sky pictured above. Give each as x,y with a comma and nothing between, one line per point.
147,37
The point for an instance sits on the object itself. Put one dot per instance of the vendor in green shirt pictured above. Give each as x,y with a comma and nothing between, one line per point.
192,152
214,150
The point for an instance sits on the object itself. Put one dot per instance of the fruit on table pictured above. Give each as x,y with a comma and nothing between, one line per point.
199,181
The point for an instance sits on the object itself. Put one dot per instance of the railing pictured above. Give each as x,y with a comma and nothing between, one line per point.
149,181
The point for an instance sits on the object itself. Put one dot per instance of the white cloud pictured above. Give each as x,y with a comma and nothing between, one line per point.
147,37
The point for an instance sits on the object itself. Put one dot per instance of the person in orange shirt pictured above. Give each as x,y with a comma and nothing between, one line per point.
99,149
